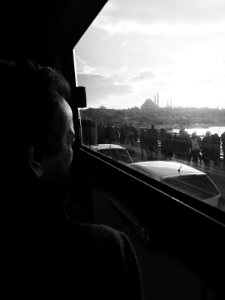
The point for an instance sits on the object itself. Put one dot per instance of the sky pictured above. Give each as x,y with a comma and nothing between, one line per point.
135,49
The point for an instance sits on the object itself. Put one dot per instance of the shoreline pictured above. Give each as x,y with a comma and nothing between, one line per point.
203,125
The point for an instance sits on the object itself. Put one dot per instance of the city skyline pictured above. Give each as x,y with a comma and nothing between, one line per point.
136,49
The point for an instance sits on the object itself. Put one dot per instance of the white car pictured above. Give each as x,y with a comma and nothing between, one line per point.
114,151
181,177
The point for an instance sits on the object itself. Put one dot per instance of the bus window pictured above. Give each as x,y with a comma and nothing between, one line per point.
154,78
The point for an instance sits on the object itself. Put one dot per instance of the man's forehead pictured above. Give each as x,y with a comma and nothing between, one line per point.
67,109
69,117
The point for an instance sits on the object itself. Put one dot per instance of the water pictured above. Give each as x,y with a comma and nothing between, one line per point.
202,131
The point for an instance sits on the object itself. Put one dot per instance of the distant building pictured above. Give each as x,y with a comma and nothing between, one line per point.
149,105
156,99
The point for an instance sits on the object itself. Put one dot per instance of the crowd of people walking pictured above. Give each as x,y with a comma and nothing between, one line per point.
161,144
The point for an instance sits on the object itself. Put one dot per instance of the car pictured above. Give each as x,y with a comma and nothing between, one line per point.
182,177
114,151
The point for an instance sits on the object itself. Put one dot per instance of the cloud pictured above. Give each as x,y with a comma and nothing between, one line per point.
179,29
82,65
142,75
219,78
172,11
100,87
177,17
173,47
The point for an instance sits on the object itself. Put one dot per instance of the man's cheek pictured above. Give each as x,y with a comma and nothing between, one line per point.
67,158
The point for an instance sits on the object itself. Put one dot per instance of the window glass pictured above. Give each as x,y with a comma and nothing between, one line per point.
200,187
154,72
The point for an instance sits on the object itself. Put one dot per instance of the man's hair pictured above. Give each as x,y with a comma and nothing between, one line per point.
30,97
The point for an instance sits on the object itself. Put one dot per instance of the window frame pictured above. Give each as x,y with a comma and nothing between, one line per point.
187,201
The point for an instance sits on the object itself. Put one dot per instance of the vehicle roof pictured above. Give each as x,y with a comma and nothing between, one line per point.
163,169
106,146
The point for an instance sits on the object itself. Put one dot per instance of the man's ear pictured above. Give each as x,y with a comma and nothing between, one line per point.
35,161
